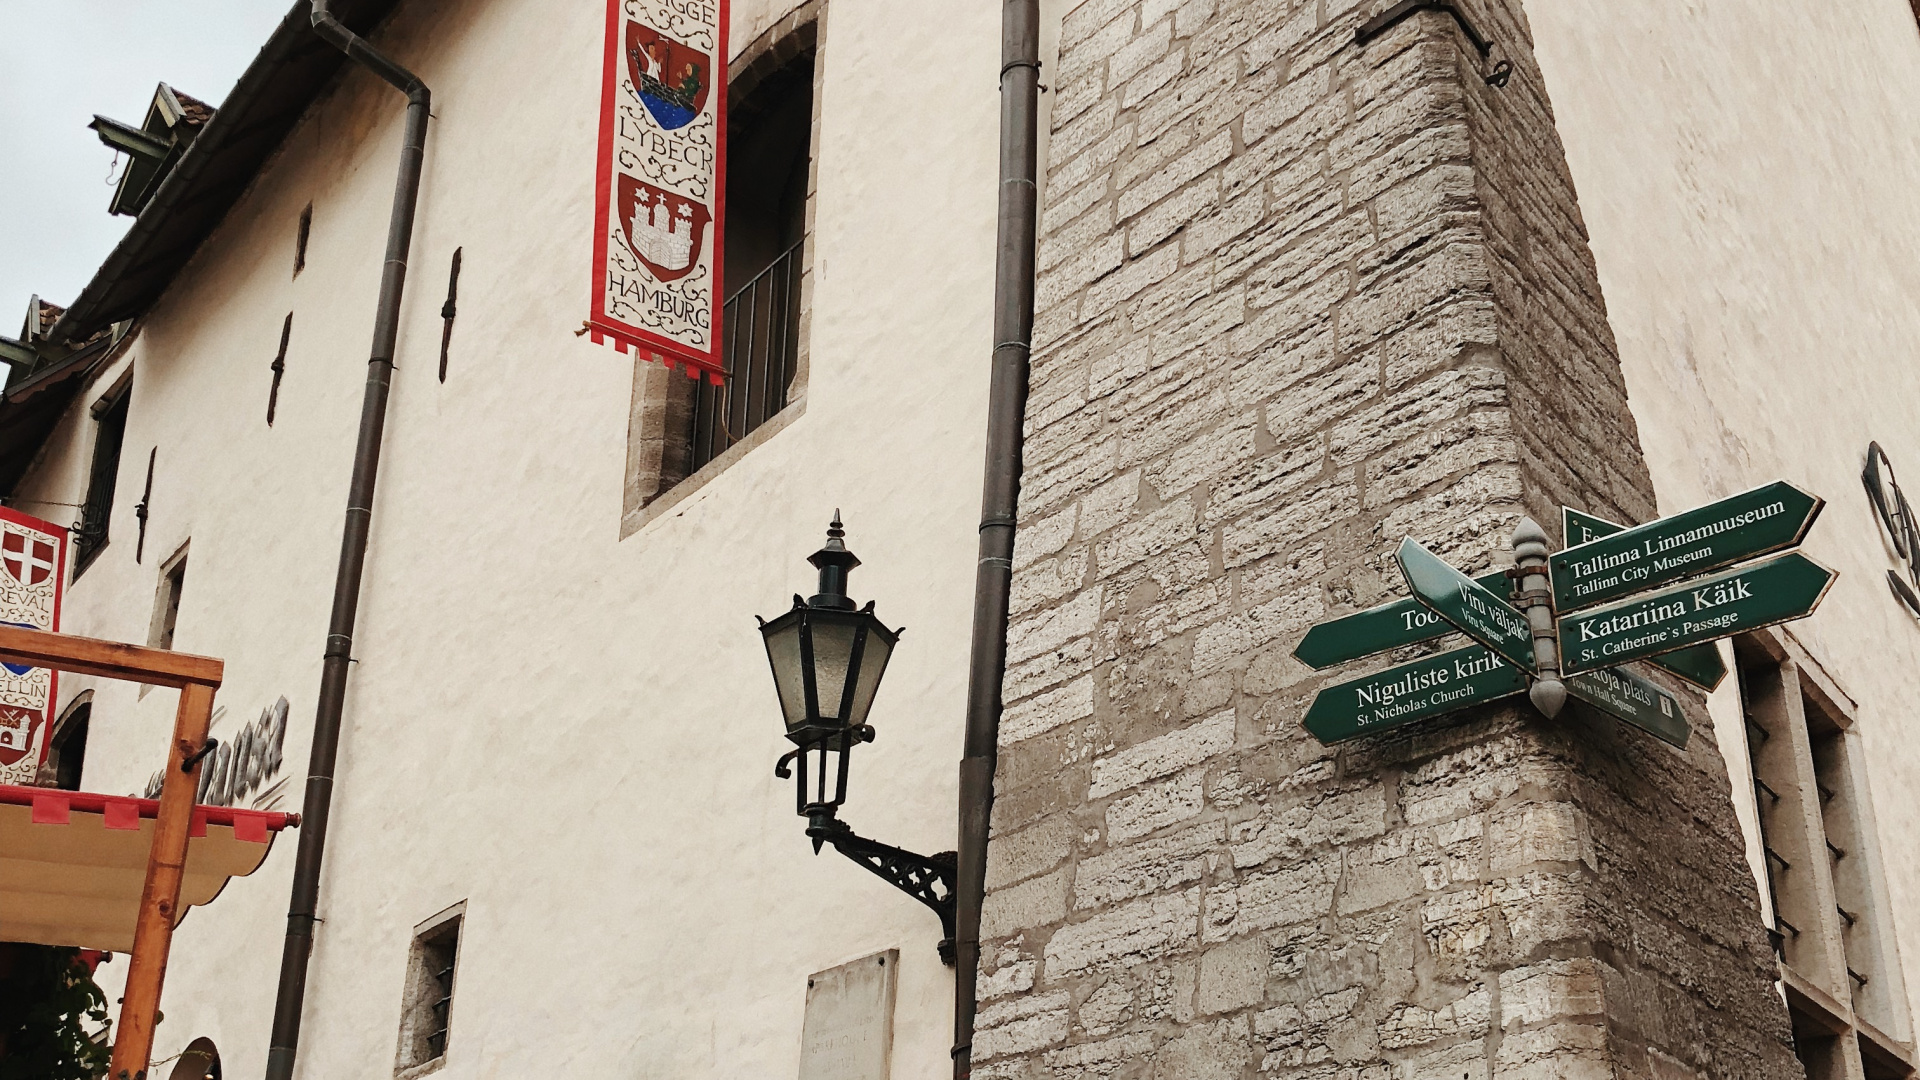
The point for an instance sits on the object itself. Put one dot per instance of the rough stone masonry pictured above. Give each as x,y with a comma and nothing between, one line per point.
1300,298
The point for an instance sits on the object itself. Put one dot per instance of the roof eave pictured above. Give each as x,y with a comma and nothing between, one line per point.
286,76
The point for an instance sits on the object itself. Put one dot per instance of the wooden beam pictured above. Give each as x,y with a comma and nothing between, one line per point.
110,659
18,353
131,140
160,899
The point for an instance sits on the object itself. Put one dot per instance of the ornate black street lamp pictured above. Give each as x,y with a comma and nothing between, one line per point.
827,657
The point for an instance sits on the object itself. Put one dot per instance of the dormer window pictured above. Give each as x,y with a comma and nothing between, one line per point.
171,123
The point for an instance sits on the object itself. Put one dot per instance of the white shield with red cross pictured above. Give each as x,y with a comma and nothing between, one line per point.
33,573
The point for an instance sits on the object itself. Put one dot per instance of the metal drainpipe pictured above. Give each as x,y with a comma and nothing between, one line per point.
353,546
1006,417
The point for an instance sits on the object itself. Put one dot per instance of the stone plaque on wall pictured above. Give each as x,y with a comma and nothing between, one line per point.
848,1034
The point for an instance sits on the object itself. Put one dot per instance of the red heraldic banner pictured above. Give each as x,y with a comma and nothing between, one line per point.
660,227
33,577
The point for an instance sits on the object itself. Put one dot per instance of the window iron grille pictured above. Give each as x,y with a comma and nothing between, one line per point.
441,1008
427,1011
760,346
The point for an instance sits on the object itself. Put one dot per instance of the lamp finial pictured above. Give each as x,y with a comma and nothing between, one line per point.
834,562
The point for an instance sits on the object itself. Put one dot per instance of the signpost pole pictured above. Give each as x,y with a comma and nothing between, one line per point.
1535,598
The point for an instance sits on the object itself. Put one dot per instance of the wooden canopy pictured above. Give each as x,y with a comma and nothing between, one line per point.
73,864
175,817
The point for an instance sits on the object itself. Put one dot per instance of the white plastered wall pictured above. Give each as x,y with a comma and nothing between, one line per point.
571,732
1746,172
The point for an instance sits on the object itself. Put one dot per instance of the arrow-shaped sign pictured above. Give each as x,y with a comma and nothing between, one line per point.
1484,615
1732,602
1379,628
1634,700
1700,665
1750,524
1578,527
1420,690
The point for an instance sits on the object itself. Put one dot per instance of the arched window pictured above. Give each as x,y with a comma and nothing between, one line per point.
67,756
199,1061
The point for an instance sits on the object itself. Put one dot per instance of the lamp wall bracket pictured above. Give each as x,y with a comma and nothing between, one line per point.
927,878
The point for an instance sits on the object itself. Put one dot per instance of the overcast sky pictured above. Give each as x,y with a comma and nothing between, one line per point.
62,61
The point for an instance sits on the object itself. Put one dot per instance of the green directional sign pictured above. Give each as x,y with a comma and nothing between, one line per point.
1579,527
1732,602
1484,615
1754,523
1379,628
1421,690
1633,699
1701,665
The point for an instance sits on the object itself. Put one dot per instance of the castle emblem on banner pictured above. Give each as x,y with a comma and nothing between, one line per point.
664,230
33,557
660,237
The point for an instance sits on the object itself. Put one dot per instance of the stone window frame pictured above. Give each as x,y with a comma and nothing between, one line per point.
651,411
118,398
417,1000
1821,863
167,591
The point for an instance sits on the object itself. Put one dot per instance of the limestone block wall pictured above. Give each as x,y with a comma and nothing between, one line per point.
1298,299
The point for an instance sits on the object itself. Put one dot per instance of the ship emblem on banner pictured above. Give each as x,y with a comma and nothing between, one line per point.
33,554
672,77
660,210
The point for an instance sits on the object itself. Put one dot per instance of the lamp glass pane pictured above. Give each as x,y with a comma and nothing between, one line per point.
783,652
873,664
832,652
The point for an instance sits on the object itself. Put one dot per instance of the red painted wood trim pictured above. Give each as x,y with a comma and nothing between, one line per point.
242,821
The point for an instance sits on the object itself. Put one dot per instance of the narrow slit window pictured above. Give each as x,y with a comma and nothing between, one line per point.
300,240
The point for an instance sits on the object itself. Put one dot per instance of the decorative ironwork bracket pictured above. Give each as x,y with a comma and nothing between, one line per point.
1403,10
146,497
927,878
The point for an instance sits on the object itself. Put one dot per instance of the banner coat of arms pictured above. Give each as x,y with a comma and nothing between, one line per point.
659,197
33,576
